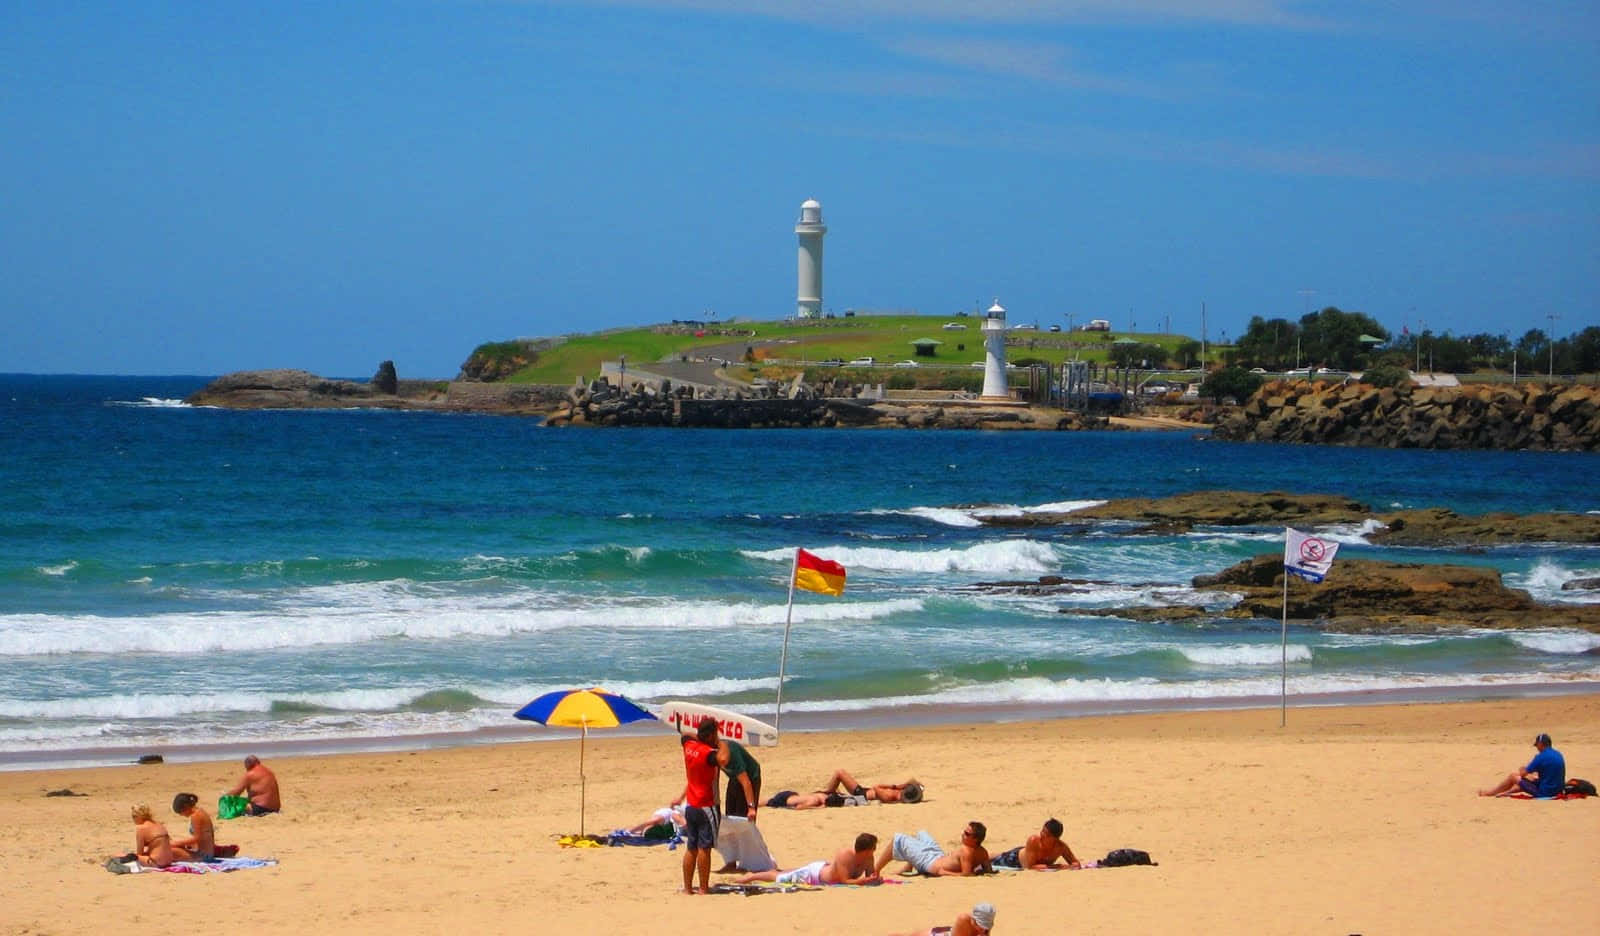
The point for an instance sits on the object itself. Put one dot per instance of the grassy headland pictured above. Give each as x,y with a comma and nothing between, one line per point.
779,349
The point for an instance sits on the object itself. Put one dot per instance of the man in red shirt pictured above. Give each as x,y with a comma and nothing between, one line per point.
702,756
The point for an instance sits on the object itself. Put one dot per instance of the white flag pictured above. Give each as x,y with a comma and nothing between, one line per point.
1307,556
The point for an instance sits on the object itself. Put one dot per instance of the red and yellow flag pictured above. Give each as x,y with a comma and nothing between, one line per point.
814,573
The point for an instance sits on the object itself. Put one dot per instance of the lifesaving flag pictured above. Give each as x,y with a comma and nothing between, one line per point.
814,573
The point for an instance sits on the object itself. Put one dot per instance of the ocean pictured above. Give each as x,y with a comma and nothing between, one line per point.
196,581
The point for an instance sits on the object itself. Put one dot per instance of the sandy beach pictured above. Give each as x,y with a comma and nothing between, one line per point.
1350,820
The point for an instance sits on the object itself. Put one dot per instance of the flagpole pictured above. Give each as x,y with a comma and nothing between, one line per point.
1283,686
783,657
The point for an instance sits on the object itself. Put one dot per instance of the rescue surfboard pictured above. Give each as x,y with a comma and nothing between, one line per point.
686,717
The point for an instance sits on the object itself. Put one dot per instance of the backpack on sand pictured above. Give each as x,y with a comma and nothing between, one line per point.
1580,787
1122,857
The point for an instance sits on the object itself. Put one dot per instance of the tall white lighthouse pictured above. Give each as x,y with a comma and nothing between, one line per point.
994,353
810,231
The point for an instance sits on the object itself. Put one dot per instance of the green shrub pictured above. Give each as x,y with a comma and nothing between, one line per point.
1233,382
1386,375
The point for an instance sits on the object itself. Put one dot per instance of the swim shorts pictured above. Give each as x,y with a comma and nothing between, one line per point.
255,810
1009,859
780,800
700,823
809,874
920,850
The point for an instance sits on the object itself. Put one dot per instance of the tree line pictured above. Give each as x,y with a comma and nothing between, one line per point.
1334,338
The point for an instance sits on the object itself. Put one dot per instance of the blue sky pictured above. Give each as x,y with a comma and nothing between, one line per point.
206,187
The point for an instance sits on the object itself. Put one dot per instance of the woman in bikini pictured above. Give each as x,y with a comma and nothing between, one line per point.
201,845
152,846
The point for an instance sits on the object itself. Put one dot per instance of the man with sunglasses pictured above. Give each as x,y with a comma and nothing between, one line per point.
925,856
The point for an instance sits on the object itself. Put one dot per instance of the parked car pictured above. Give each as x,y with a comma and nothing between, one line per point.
831,362
906,364
1258,370
863,362
954,326
1298,372
1055,328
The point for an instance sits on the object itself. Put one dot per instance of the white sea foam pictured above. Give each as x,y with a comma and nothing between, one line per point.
1039,690
1351,534
1545,579
156,402
1555,641
57,570
1007,557
415,618
1245,654
973,516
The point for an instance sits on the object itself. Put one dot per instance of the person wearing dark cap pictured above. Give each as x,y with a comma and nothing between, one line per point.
261,785
1545,775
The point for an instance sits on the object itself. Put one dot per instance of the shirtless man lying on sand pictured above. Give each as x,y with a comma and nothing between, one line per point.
921,853
1040,852
849,866
843,790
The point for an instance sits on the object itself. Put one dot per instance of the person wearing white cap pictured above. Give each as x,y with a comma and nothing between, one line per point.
978,922
1545,775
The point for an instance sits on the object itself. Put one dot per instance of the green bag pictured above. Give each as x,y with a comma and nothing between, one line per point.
232,807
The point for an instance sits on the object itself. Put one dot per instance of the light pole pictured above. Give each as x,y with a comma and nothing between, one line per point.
1552,316
1422,328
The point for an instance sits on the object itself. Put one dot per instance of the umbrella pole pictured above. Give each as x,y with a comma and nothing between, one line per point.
583,780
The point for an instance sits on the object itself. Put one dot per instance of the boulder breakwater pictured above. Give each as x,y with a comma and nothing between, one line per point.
1476,416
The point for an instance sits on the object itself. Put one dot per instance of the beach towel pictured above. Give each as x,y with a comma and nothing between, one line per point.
232,807
214,866
740,843
581,841
1568,795
624,837
751,890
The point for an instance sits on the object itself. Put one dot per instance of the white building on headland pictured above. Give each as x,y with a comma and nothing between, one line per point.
810,231
994,353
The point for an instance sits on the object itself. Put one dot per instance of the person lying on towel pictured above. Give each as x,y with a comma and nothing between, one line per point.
849,866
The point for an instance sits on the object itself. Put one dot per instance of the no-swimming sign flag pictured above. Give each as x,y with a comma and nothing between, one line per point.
1307,556
814,573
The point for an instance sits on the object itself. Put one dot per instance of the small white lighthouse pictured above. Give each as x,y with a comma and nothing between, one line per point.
994,353
810,231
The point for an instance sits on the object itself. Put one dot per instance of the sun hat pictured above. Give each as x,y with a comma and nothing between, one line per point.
983,915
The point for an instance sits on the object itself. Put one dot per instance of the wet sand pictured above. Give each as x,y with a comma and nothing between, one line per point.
1357,819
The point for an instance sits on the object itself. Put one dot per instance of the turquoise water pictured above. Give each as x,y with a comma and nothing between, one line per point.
183,576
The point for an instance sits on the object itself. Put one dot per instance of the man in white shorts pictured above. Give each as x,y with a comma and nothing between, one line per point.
849,866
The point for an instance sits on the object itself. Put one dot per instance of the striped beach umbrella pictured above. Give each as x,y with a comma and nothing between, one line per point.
582,709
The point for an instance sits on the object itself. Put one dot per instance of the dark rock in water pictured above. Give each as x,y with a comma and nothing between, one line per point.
151,759
385,380
1157,613
1580,583
1367,595
64,792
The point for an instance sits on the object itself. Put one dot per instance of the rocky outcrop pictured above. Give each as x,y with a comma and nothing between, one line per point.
1474,416
1423,527
385,380
1368,595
